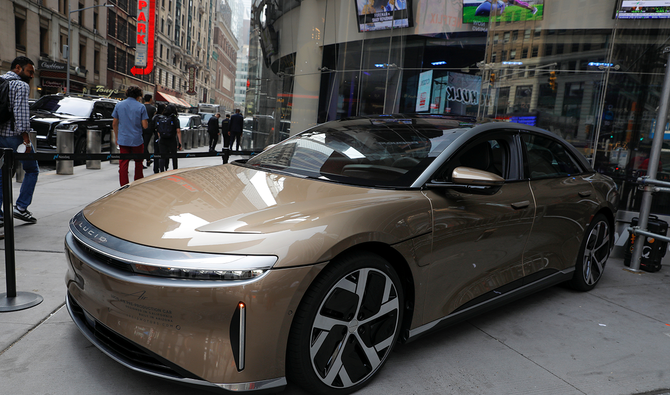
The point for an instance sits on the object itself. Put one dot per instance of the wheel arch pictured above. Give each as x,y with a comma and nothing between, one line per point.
402,268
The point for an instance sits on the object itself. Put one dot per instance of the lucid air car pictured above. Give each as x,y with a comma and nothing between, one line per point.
309,261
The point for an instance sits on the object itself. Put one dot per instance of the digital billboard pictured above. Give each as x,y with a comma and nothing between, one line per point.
383,14
643,10
502,10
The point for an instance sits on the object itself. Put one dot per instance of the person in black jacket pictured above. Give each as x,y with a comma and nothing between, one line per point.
235,126
148,132
213,130
169,141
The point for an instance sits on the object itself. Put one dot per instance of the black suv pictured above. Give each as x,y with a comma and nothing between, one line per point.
52,113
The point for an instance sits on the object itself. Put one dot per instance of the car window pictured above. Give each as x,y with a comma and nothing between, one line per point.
492,155
103,109
547,158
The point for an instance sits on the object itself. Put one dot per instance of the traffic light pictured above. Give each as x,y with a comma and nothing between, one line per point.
492,78
552,80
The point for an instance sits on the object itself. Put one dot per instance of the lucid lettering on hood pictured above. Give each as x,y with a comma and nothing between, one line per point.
461,95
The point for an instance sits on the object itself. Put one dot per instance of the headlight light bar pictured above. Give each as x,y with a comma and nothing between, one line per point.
161,262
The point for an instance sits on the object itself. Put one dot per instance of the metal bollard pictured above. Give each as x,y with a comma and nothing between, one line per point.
113,149
65,145
186,139
93,146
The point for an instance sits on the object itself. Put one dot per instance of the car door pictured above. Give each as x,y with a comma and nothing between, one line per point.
563,195
104,124
478,238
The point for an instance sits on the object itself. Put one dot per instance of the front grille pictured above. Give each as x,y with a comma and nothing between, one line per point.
104,259
124,349
42,129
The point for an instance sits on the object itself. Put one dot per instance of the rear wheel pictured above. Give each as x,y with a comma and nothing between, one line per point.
346,325
593,255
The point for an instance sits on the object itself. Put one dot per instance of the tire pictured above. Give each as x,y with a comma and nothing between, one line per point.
593,255
346,325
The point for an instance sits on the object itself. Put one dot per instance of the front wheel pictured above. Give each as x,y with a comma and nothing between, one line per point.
346,325
593,255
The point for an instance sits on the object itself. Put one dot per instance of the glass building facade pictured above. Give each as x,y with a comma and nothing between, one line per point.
569,66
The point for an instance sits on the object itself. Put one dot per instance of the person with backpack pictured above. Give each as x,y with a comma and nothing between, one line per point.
14,132
169,136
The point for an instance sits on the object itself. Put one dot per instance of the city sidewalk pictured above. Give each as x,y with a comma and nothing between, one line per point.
612,340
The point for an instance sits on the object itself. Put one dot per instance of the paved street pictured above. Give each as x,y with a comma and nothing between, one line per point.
613,340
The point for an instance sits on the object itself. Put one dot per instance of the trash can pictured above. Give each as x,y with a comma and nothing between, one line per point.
653,250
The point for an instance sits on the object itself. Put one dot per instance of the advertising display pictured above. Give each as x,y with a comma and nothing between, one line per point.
644,10
456,94
144,44
502,10
382,14
423,93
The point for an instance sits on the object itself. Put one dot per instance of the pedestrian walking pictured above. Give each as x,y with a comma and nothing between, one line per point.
225,132
169,136
130,117
213,131
235,125
160,108
148,132
15,133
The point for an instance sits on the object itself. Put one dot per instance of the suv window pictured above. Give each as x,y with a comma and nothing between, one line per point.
65,105
105,109
547,158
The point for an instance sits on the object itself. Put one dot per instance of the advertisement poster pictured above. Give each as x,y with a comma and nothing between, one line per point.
423,93
456,94
382,14
502,10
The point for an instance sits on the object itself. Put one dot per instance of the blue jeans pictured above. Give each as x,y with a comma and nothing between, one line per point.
31,168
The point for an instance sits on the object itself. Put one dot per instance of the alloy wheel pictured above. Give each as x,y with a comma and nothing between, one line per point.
596,252
354,328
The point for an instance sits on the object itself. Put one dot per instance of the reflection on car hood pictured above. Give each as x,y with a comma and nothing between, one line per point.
233,209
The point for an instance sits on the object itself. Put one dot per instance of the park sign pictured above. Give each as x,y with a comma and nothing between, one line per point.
144,44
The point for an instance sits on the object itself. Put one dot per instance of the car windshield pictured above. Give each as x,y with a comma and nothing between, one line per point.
385,152
64,106
183,121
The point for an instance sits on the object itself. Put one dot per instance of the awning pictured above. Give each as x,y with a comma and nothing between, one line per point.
161,96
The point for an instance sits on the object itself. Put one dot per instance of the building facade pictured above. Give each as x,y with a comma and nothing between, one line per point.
38,29
224,54
590,72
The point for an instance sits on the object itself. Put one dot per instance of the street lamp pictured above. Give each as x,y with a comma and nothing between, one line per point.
69,28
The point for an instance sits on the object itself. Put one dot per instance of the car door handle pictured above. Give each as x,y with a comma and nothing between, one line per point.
519,205
585,194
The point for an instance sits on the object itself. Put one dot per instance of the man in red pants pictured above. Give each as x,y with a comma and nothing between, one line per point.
130,116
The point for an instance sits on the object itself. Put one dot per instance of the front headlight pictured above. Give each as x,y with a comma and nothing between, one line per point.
67,127
112,252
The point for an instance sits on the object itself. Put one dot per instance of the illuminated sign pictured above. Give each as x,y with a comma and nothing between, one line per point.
144,44
423,91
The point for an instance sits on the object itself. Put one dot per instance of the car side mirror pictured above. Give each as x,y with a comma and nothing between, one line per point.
469,180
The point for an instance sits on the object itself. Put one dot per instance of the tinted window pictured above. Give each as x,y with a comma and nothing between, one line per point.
492,155
548,158
378,151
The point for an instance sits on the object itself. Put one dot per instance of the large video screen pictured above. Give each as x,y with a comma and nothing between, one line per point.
502,10
644,10
383,14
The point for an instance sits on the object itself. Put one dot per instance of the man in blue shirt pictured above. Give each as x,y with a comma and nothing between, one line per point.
130,116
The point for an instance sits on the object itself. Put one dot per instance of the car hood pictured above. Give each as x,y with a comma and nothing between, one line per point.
235,209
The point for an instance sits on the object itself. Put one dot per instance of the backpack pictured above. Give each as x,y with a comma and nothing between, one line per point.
6,111
165,127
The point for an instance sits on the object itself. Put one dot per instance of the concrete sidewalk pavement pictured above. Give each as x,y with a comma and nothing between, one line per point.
612,340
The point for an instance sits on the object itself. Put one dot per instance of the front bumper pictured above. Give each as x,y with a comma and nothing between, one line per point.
186,330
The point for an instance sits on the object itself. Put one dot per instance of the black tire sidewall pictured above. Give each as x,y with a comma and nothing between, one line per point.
578,282
298,366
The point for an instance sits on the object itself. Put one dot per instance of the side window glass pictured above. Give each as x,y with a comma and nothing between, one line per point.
548,158
489,155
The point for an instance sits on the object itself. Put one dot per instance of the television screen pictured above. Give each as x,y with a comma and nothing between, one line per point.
643,10
502,10
383,14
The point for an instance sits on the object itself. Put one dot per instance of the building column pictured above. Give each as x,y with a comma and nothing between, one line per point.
308,61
